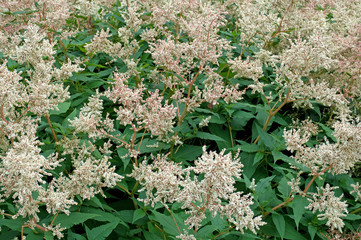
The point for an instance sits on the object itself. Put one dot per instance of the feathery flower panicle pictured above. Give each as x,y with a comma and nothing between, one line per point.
332,207
204,122
92,7
15,15
56,230
312,45
90,117
23,170
40,91
128,44
186,236
249,69
53,14
167,182
339,156
357,190
99,43
149,113
199,22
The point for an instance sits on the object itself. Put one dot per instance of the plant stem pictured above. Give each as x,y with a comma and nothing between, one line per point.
51,128
173,219
304,191
273,113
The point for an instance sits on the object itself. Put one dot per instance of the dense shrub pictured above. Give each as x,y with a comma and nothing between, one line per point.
183,119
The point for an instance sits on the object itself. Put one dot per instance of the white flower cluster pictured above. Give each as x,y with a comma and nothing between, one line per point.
207,185
149,113
26,177
332,207
357,190
48,14
339,157
312,45
23,170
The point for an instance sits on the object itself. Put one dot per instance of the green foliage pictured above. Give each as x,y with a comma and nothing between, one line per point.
244,125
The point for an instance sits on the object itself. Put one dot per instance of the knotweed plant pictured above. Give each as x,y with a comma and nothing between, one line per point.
187,119
206,186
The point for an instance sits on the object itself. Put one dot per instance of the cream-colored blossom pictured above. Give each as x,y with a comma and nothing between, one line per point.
339,157
329,206
357,190
149,113
168,182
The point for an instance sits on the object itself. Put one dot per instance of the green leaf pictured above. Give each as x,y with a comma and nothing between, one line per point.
150,235
291,232
352,217
283,187
13,224
248,147
277,155
280,120
101,232
121,153
144,147
103,216
247,160
298,204
167,222
263,184
48,235
258,157
206,232
218,130
240,119
95,84
218,119
215,118
219,222
280,224
75,236
32,235
187,152
63,108
126,215
96,202
262,115
328,131
138,214
71,116
74,218
312,230
208,136
316,107
265,138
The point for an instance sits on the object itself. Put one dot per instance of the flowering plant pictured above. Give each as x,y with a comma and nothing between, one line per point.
188,119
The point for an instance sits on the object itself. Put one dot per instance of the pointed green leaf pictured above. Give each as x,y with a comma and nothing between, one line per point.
74,218
267,139
138,214
167,222
263,184
280,224
298,204
240,119
75,236
312,231
258,157
248,147
48,235
283,187
101,232
208,136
